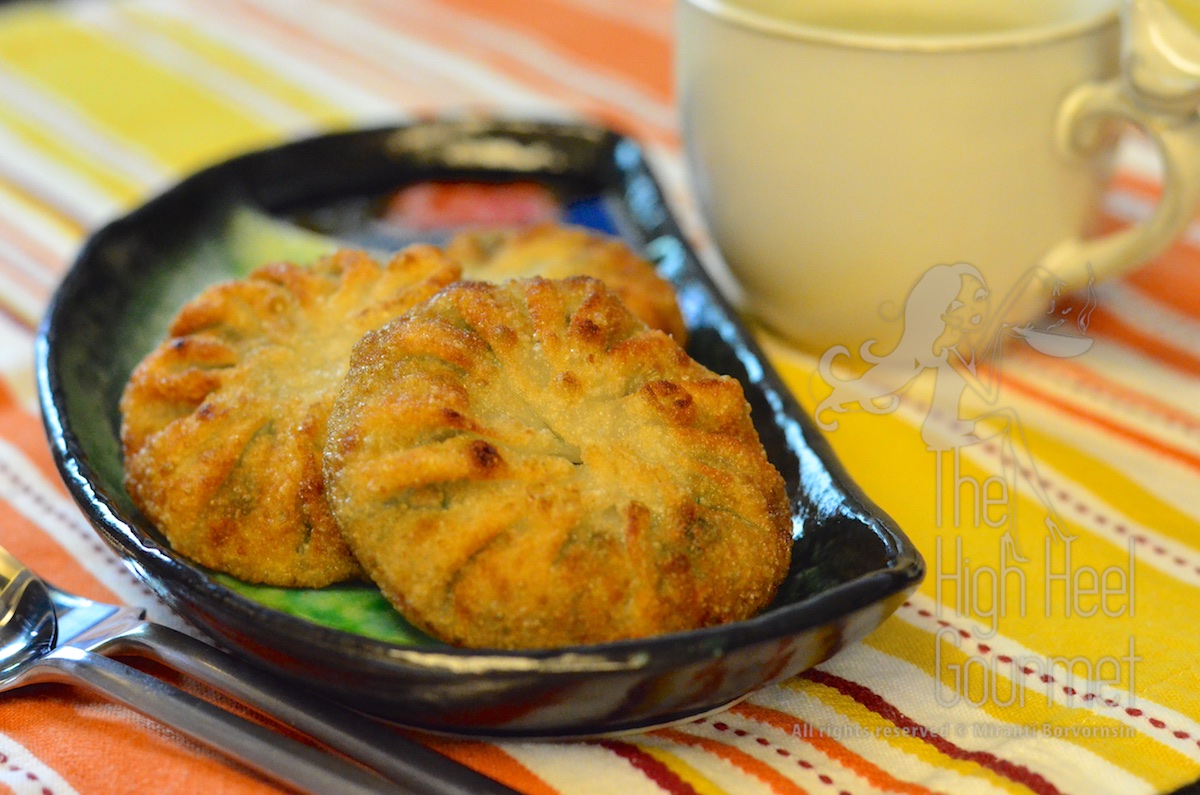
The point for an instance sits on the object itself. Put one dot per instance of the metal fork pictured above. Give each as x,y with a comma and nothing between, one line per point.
123,631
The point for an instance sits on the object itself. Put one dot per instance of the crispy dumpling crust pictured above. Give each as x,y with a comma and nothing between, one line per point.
526,465
224,423
555,251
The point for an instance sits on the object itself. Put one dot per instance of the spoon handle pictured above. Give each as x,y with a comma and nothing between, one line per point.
301,767
374,744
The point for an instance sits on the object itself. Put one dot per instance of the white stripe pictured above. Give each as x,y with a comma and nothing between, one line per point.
1117,362
887,753
16,363
651,17
565,772
1159,551
61,242
555,65
18,767
17,300
909,689
22,487
724,775
1170,402
1037,692
1135,209
445,77
272,51
225,87
1138,155
78,130
25,264
1151,317
807,777
54,184
1166,479
1127,412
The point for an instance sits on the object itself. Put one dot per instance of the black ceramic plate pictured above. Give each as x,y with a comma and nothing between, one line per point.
851,565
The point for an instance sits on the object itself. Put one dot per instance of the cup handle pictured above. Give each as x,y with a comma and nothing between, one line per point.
1176,136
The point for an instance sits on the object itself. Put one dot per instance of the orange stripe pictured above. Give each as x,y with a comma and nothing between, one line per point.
1130,182
23,536
536,81
70,730
832,749
22,282
42,553
598,42
1180,456
1168,280
1108,324
24,431
1171,279
52,263
1098,384
740,759
492,761
345,62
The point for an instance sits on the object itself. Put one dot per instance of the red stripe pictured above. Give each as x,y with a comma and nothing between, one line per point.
1181,456
876,703
1099,384
831,748
1170,279
1108,324
778,782
662,776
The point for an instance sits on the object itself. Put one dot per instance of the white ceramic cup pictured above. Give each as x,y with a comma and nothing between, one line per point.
841,148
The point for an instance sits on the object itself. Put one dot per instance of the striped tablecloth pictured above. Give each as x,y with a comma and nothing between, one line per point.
104,103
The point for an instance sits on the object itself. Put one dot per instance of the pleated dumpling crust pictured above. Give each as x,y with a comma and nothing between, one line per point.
224,423
558,252
527,465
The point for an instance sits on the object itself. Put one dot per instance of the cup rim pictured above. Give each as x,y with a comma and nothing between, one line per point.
1004,39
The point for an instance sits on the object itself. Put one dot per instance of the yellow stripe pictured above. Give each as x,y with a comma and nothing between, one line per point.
688,774
874,725
875,448
83,165
69,227
1140,754
126,93
1115,488
239,66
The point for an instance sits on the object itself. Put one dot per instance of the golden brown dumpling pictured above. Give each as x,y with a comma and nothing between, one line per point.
224,423
558,252
527,465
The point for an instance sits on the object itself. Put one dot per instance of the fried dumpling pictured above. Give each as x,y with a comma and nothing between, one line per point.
558,252
527,465
223,425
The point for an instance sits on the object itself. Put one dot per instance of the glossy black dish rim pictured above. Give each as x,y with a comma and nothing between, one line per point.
178,582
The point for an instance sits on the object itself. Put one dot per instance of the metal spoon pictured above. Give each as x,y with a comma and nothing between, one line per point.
30,654
37,647
122,631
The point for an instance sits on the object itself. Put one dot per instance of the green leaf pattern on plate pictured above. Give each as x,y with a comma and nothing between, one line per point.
360,609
